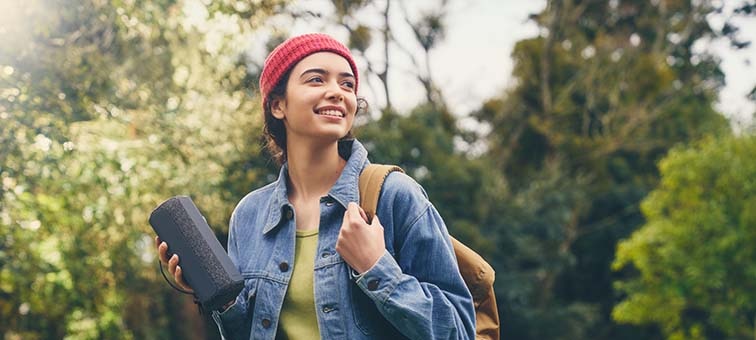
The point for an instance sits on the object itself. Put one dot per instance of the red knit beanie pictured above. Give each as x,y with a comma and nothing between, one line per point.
294,49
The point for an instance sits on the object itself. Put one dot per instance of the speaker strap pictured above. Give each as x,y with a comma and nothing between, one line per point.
196,300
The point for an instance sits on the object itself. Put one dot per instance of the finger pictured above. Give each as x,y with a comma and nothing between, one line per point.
363,214
179,278
173,263
354,212
375,221
163,251
352,208
346,215
157,245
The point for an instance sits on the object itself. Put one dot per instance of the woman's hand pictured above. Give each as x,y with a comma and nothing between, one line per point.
172,263
360,244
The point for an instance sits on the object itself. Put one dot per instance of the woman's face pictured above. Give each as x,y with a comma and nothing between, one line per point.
320,102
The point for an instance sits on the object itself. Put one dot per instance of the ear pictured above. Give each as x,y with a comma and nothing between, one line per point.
277,106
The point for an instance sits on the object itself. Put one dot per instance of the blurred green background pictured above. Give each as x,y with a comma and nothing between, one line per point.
612,198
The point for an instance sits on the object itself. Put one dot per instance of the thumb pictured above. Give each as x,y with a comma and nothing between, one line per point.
376,221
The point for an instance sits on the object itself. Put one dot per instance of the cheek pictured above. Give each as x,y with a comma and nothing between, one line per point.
352,104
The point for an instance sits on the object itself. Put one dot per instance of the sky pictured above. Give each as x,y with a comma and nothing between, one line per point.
487,31
473,64
739,68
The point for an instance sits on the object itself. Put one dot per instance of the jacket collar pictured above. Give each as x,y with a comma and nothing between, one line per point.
345,190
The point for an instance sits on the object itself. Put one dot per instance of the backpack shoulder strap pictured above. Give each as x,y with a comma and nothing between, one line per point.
371,182
476,272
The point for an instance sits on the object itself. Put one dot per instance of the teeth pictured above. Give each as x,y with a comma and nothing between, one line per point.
330,113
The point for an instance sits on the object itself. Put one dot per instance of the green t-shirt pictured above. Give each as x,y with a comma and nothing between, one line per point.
298,318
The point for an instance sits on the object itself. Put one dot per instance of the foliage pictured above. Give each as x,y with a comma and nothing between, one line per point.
423,143
601,95
694,254
365,32
108,109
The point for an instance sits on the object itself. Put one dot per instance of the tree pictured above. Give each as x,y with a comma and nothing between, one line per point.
601,95
461,186
694,254
366,35
108,109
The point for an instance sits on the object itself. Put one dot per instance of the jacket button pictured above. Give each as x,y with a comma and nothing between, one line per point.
266,323
289,214
328,309
283,266
325,254
327,200
372,285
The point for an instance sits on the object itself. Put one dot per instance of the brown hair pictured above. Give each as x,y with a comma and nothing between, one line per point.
274,130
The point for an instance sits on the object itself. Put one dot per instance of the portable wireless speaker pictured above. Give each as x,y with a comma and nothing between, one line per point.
205,265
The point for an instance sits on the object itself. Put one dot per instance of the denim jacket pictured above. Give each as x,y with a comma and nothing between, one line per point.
414,291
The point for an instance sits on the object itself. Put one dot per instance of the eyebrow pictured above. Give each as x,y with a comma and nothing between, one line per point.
324,72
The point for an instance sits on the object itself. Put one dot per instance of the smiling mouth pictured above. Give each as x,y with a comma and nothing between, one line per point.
330,112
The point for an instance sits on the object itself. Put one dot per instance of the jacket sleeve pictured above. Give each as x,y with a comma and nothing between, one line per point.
421,291
235,322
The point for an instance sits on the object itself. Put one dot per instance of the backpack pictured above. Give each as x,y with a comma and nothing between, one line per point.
476,272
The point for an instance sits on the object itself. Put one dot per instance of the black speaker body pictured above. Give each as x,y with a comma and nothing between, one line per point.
205,265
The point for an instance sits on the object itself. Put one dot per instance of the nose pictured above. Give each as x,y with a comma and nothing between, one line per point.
334,91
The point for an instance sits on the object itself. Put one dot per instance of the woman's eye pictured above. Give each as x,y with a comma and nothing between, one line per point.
315,80
348,84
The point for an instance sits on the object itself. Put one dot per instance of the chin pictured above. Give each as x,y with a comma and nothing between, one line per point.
335,133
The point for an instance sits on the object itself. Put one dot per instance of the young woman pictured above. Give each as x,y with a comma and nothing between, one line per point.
313,267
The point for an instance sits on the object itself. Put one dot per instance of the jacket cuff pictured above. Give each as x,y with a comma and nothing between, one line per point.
380,281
